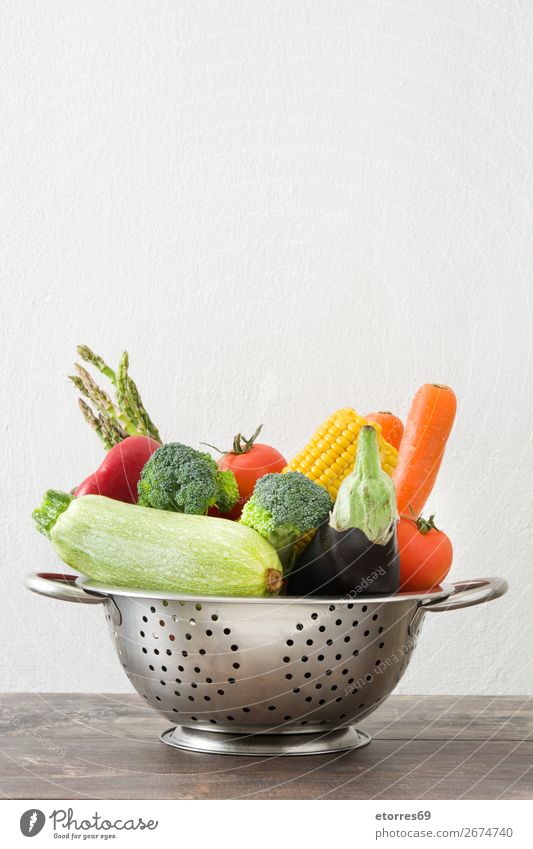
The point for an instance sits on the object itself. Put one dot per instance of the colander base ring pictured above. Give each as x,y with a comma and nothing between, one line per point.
219,743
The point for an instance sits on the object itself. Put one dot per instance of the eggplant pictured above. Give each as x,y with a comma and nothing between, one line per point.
355,553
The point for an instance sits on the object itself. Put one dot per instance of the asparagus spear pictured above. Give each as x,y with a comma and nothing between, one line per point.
113,423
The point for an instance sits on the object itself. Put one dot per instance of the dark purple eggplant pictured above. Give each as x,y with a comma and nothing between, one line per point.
356,553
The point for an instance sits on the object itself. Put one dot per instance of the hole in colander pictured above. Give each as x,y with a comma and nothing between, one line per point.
188,636
364,608
314,616
207,698
150,667
181,668
141,633
321,628
347,638
321,701
338,622
339,699
334,687
299,626
177,693
304,658
308,698
231,718
197,670
208,633
194,685
355,652
377,662
177,680
368,678
145,651
152,609
168,652
272,707
329,672
307,674
231,680
380,629
360,706
175,710
220,692
286,659
163,669
296,690
156,651
201,651
185,653
344,672
287,718
164,603
171,637
309,642
318,686
349,606
303,722
288,676
163,683
331,608
194,718
208,680
157,699
375,616
191,698
366,633
320,657
355,623
381,645
234,647
290,642
213,721
246,710
162,623
329,642
198,606
342,716
214,617
236,665
227,631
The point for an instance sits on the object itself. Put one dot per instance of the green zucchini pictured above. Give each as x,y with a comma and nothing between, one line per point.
128,546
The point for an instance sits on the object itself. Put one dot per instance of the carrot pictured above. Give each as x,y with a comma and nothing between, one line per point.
426,432
391,427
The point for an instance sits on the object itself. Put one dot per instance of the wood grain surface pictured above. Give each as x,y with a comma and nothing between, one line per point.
105,746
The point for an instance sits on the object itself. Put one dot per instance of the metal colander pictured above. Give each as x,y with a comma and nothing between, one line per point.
256,676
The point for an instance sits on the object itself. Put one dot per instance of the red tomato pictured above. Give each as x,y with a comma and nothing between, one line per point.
426,554
391,427
248,461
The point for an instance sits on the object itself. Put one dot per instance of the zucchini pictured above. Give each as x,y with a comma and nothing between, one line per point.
128,546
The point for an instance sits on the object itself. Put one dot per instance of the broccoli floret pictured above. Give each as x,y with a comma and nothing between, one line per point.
183,480
284,507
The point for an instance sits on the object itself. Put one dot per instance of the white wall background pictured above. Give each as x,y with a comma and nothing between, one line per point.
278,208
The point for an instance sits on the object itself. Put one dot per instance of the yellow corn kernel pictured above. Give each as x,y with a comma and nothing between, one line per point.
330,454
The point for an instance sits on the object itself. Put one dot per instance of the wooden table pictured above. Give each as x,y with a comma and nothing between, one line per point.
105,746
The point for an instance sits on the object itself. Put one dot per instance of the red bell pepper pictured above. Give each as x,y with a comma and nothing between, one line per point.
119,473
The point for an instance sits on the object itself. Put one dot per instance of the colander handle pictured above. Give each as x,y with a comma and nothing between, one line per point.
62,587
467,594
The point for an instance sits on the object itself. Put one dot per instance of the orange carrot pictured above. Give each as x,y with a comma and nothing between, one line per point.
427,429
391,427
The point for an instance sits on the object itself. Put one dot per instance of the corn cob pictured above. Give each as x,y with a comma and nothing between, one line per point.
330,454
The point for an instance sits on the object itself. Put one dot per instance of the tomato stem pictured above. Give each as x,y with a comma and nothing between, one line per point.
241,445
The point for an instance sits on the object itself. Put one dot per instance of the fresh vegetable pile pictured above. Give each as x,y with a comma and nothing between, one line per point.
342,517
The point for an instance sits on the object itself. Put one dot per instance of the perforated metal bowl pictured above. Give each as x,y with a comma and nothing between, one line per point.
256,676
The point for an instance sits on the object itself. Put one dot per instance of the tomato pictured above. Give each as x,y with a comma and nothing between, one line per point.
249,460
391,427
426,554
